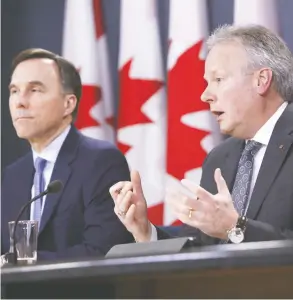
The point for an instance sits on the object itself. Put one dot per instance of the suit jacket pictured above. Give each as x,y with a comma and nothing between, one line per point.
270,213
78,221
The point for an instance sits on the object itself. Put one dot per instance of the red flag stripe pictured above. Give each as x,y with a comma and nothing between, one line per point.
97,7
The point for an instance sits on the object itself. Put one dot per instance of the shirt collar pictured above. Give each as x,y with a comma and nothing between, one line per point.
263,135
51,152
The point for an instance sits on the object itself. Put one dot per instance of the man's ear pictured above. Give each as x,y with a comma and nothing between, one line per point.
264,79
69,104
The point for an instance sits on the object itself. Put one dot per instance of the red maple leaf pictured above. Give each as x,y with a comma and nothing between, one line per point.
133,94
123,148
185,86
90,96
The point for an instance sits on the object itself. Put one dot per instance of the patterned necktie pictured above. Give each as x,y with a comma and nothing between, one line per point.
39,185
242,182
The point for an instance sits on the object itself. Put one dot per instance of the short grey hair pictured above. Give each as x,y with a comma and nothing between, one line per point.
265,49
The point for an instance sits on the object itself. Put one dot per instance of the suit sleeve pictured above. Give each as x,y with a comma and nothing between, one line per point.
257,231
102,228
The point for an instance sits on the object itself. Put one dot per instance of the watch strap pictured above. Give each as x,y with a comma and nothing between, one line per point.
242,222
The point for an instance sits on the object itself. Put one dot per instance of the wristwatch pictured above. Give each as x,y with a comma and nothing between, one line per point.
236,233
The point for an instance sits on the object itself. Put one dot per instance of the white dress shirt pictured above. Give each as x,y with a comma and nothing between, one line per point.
50,154
262,136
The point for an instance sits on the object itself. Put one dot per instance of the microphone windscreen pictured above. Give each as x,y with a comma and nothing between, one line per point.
55,187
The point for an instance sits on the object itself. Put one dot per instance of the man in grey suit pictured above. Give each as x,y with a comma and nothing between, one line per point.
246,189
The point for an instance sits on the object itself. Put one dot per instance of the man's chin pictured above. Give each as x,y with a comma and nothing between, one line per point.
225,130
23,134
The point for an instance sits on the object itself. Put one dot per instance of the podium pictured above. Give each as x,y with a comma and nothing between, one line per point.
248,270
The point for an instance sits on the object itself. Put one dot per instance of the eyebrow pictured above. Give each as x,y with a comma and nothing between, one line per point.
33,82
212,73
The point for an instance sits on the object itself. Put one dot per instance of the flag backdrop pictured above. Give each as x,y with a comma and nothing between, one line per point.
85,45
191,127
142,107
163,128
262,12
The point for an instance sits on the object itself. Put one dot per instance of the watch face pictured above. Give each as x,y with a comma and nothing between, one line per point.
236,235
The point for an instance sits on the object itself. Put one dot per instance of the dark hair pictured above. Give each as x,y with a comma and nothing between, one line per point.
69,76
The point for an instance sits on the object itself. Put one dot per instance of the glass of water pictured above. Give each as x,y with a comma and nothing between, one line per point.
26,241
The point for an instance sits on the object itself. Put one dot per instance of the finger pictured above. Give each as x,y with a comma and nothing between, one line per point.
204,195
116,188
127,187
136,181
116,210
193,221
130,216
125,203
221,183
197,208
180,203
122,208
190,185
200,192
175,200
118,214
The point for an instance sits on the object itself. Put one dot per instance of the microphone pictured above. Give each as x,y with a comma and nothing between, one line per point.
52,188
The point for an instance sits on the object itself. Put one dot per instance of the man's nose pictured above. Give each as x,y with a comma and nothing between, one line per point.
21,100
207,96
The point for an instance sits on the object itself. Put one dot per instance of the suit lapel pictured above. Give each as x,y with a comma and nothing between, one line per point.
24,180
276,152
62,171
231,161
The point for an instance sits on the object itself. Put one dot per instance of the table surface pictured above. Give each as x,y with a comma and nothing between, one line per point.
258,254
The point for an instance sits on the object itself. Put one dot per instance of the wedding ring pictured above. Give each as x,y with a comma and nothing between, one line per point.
121,213
190,213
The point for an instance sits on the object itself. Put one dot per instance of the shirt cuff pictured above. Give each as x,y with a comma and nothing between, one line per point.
154,235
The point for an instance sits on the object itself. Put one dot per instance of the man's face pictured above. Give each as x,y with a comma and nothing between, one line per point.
37,103
231,90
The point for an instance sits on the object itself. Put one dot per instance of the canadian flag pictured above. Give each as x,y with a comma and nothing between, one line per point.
262,12
85,45
142,119
192,130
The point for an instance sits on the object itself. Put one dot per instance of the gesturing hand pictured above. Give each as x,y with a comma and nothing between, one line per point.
131,207
212,214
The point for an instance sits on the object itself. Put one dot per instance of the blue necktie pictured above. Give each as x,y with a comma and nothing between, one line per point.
242,182
39,185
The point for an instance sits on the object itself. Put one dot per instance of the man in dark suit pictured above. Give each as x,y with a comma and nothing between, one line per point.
246,189
78,221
